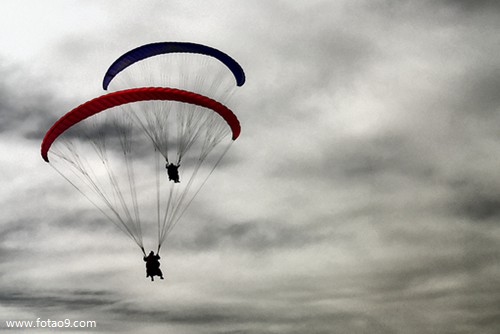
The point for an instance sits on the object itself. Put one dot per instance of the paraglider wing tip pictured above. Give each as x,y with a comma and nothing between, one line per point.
44,152
241,80
236,131
105,83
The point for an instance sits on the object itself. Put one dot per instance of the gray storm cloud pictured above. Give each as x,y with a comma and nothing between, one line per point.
362,196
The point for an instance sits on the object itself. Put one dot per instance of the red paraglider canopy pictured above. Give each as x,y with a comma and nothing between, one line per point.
118,98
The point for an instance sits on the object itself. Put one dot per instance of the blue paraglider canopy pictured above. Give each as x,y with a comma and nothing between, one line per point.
153,49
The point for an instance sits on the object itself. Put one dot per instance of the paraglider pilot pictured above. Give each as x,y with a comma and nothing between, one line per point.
173,172
153,265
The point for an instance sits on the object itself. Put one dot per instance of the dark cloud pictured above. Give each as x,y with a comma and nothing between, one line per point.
475,198
200,315
251,236
14,229
26,105
321,53
473,6
479,206
378,160
373,157
248,318
56,300
480,91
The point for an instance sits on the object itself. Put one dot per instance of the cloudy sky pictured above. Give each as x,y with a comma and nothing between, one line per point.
363,195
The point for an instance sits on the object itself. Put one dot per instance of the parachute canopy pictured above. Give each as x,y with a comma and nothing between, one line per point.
134,95
115,150
154,49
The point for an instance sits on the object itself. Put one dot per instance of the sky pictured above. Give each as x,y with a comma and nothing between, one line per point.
363,195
